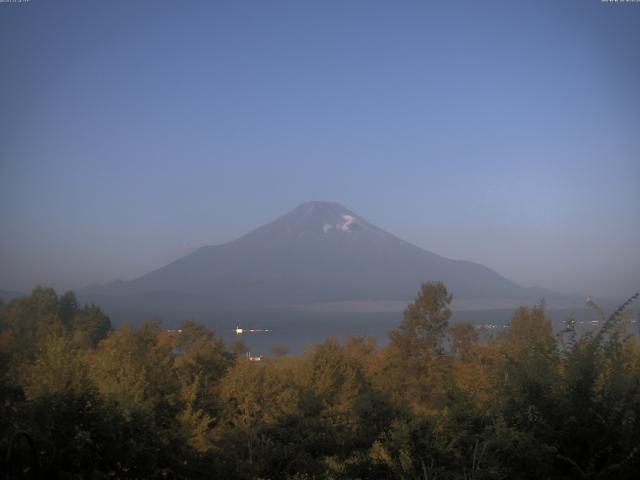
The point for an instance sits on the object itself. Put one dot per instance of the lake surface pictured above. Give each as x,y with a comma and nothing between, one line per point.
302,330
299,330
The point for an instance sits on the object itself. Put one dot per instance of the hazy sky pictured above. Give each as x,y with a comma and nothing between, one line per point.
502,132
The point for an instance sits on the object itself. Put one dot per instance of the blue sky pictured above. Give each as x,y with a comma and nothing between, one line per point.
506,133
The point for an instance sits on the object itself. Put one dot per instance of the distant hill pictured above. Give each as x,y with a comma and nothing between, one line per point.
7,295
319,253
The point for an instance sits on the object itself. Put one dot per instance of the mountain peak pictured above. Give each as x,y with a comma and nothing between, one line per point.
322,204
321,207
323,218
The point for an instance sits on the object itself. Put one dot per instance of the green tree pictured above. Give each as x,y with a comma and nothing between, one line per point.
256,396
58,369
334,379
134,369
415,363
202,352
463,340
26,323
88,326
201,362
598,432
423,329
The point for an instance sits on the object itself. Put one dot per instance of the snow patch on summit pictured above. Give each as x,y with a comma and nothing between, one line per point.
346,226
326,227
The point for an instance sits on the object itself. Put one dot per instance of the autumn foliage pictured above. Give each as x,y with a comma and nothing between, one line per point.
441,400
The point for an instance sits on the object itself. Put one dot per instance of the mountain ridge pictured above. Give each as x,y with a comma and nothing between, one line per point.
318,252
8,295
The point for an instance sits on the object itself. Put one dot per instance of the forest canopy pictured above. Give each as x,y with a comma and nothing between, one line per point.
80,399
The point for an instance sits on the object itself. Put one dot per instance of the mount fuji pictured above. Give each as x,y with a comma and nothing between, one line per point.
319,253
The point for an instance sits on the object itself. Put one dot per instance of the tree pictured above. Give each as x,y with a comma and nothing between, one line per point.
201,362
202,351
464,341
335,380
425,323
58,369
256,395
415,363
526,393
31,320
134,369
89,325
598,432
